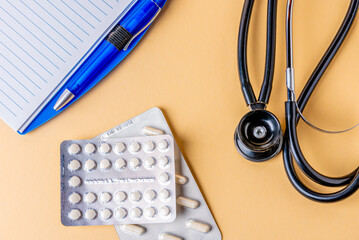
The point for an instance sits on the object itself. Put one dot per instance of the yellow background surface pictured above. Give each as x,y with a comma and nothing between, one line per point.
187,66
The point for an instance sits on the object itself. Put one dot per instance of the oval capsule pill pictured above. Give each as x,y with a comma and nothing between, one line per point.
188,203
133,229
198,226
167,236
182,180
151,131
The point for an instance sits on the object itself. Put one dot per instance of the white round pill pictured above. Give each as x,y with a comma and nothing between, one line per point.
90,197
150,212
120,147
162,145
120,197
90,165
163,161
74,165
74,149
105,148
134,147
90,214
165,211
75,214
105,164
105,197
74,198
149,146
150,195
90,148
74,181
135,196
135,163
164,194
120,213
136,212
106,214
149,162
120,163
164,178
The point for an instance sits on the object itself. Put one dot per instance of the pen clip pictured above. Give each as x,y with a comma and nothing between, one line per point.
144,28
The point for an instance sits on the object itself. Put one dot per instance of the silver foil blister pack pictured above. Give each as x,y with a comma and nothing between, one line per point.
114,181
194,219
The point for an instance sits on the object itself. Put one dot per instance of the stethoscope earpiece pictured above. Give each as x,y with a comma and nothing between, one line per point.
258,136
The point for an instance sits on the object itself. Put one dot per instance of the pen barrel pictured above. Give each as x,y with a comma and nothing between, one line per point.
139,16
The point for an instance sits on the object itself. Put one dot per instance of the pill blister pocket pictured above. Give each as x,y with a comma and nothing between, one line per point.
118,181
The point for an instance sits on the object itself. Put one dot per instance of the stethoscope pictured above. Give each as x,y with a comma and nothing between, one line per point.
294,109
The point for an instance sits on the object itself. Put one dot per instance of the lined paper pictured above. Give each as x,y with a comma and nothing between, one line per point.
41,42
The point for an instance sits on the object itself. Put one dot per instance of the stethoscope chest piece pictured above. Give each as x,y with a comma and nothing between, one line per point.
258,136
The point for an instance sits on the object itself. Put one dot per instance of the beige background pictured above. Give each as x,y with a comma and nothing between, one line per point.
187,66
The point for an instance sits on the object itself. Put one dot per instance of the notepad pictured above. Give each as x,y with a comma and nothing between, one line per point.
42,42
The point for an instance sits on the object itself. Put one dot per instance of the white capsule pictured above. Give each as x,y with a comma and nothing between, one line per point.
165,211
105,148
120,197
135,163
74,181
105,164
198,226
133,229
167,236
75,214
74,165
164,178
150,212
186,202
74,149
120,148
164,194
105,197
151,131
120,213
106,214
120,163
90,148
134,147
74,198
90,214
90,165
90,197
182,180
135,196
163,145
163,161
136,212
149,162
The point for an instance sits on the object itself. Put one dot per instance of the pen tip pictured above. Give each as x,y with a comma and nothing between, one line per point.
64,99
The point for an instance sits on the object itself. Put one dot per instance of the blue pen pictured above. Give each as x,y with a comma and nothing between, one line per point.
139,17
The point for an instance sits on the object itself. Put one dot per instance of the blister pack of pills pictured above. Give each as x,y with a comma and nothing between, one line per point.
118,181
194,219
